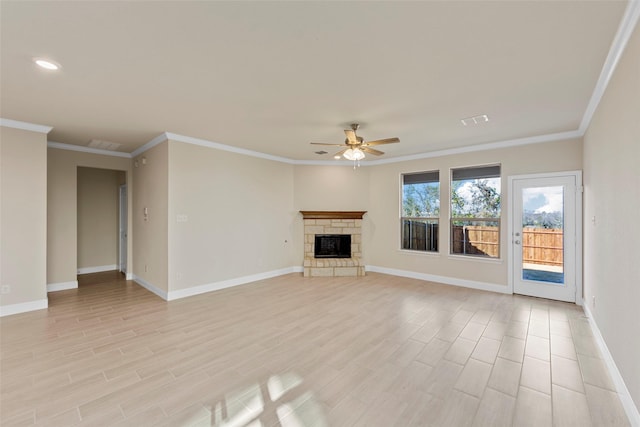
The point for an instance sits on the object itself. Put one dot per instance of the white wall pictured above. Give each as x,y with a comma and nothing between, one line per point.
237,216
612,197
23,219
98,217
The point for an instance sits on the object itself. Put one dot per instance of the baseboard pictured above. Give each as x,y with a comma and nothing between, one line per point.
129,276
216,286
62,286
623,392
97,269
484,286
151,288
8,310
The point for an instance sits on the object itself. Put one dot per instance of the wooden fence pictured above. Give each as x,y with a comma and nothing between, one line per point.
420,235
476,240
542,246
539,245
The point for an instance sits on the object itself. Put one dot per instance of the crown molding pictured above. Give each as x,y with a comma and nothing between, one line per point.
223,147
627,25
482,147
15,124
71,147
149,145
468,149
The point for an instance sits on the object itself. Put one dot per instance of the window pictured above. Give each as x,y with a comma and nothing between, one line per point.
420,211
475,211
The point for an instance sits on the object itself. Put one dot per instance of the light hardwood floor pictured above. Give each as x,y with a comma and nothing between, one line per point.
372,351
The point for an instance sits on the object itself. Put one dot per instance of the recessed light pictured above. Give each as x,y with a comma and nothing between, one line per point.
46,64
337,157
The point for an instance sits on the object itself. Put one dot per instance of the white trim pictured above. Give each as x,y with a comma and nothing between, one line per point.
97,269
151,288
215,286
8,123
625,29
62,286
481,147
129,276
623,392
223,147
149,145
473,284
83,149
8,310
461,150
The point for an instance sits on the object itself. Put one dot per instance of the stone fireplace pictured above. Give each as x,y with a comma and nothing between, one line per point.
332,229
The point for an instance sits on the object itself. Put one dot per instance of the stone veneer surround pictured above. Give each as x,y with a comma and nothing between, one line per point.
333,222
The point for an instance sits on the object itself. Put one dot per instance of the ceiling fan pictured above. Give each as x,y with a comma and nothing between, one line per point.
355,147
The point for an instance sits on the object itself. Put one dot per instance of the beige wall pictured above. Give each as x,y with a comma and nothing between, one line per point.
98,216
239,214
612,196
62,215
150,241
23,216
384,208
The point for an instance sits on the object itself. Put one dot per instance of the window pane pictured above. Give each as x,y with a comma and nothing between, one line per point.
420,211
420,234
472,237
421,199
475,211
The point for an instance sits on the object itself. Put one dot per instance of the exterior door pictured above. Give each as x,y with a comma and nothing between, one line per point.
123,229
545,224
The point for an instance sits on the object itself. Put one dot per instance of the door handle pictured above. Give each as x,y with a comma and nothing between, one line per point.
517,242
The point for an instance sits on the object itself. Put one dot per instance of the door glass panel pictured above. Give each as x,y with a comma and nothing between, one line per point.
543,234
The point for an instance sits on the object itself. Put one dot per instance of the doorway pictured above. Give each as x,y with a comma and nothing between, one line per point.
99,219
545,227
122,253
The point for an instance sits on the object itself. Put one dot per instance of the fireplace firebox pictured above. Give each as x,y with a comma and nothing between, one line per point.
332,246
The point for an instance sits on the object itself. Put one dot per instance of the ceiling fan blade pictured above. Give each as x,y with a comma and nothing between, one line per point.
381,141
322,143
351,135
340,153
372,151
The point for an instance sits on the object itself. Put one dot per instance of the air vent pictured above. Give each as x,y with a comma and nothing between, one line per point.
475,120
320,152
103,145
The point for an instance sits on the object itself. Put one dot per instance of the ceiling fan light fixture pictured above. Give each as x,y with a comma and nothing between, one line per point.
353,154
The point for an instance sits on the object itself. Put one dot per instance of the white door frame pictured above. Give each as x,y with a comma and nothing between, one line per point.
578,226
123,227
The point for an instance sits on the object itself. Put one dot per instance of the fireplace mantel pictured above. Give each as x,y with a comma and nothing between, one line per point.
332,214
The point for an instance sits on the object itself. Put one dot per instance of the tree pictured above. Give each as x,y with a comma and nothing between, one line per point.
476,198
421,200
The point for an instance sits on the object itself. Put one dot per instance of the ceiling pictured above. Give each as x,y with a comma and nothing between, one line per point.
273,76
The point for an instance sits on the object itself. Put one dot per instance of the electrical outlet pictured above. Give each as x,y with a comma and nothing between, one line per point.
5,289
593,301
